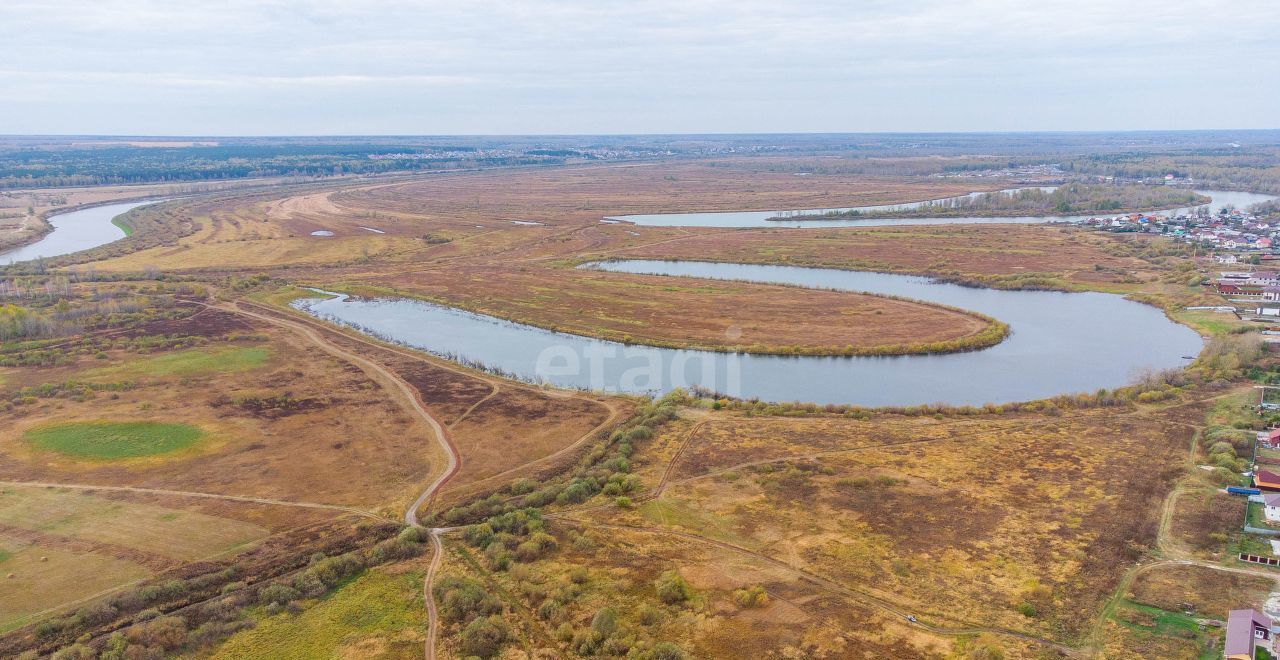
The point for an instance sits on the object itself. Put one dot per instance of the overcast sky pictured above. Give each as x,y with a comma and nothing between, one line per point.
257,67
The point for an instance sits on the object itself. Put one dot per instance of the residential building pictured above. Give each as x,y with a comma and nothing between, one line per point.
1246,630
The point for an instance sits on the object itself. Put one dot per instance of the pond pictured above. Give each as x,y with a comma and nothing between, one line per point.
75,231
1060,343
1220,199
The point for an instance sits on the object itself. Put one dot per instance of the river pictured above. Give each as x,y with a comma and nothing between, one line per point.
1060,343
727,219
75,231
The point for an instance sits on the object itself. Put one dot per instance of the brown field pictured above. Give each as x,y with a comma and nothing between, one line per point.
497,426
1201,519
964,519
977,251
714,315
615,568
61,546
1210,593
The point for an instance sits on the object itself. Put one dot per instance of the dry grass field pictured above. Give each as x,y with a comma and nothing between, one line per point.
1002,533
61,546
972,520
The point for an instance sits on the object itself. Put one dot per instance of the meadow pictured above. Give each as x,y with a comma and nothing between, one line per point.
113,440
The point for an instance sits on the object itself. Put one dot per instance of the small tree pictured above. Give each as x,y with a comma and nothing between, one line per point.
672,588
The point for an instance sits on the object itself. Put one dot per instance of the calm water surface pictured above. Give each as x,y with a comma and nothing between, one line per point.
75,231
1061,343
1220,198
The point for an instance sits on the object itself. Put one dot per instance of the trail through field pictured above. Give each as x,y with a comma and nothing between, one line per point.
856,594
414,401
188,493
410,396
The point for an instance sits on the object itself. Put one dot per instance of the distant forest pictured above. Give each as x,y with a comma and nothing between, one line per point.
1067,199
1237,160
1253,170
31,168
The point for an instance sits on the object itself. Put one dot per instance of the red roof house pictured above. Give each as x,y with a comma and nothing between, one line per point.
1266,480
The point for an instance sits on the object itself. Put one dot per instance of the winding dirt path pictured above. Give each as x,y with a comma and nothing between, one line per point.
410,396
414,400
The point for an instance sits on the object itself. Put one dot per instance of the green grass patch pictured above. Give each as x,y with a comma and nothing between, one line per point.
4,555
1209,323
1256,516
672,512
187,362
125,227
114,440
374,611
1156,621
284,295
1252,544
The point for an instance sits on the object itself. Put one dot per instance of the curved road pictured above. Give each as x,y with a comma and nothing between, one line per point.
413,399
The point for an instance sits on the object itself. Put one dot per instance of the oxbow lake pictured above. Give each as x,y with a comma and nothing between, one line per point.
1060,343
75,231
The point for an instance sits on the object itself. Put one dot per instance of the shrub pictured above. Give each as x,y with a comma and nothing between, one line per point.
605,622
169,632
754,596
74,652
463,599
523,486
395,549
672,588
550,610
484,636
413,535
279,594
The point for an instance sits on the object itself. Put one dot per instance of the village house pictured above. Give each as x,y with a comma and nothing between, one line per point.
1271,506
1264,278
1266,480
1247,630
1269,439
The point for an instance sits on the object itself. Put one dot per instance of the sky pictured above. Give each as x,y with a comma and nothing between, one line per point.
325,67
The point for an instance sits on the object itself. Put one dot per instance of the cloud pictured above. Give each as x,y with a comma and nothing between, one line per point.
395,66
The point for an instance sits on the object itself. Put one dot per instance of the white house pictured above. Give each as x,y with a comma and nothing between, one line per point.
1271,504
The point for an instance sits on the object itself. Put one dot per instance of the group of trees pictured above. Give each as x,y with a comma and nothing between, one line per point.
511,534
1254,168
